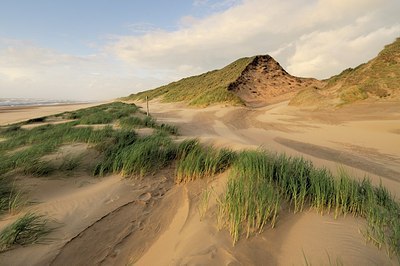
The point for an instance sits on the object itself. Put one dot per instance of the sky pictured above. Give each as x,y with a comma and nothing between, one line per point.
101,49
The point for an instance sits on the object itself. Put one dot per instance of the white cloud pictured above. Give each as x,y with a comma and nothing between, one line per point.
27,70
312,32
323,54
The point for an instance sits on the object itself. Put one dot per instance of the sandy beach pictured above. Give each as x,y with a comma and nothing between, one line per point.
152,221
15,114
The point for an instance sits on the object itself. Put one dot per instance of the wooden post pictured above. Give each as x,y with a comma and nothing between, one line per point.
147,104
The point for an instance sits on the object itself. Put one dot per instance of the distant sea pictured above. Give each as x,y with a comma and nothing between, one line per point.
32,102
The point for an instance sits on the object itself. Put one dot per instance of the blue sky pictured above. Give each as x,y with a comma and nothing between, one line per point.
74,25
94,50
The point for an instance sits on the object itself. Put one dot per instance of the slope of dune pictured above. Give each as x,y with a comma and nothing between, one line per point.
252,81
376,80
202,90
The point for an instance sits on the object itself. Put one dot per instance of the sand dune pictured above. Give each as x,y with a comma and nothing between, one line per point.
151,221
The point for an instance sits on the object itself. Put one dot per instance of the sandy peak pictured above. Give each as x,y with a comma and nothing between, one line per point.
264,81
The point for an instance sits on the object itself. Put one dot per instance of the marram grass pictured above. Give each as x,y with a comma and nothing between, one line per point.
28,229
132,122
31,144
12,200
261,183
130,155
198,162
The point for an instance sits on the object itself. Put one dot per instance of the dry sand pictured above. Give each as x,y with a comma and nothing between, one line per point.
9,115
115,221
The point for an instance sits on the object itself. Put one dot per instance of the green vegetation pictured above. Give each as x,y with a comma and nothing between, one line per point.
102,114
352,94
70,163
204,201
40,141
202,90
250,200
132,122
22,149
261,183
11,199
28,229
197,162
379,78
130,155
38,167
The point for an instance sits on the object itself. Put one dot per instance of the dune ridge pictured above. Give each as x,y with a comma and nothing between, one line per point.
260,80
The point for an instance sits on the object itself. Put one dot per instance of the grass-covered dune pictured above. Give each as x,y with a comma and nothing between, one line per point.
23,148
202,90
377,79
263,184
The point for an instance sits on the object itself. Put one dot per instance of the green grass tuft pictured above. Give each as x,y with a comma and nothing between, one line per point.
28,229
198,162
261,183
130,155
38,168
132,122
70,163
12,200
145,156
